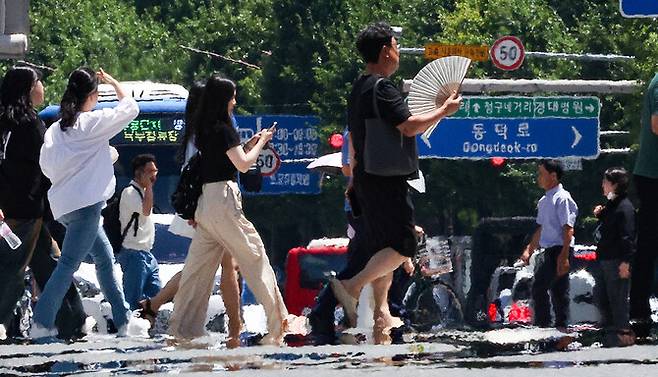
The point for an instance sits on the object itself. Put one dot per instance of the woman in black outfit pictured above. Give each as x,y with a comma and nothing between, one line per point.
221,225
23,189
615,235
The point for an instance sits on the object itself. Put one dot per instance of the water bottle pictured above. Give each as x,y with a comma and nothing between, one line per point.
9,236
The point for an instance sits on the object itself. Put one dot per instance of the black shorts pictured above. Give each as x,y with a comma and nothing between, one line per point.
388,213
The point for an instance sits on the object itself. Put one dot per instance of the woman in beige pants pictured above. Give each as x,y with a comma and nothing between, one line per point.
229,284
220,222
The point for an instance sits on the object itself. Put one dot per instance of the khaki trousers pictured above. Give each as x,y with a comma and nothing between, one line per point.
222,227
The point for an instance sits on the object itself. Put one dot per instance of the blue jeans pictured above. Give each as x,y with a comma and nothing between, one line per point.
84,236
141,275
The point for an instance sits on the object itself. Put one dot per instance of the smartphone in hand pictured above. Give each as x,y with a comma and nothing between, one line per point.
249,144
272,129
254,139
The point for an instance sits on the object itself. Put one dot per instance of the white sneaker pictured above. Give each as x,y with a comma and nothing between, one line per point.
122,331
3,332
37,331
136,327
88,327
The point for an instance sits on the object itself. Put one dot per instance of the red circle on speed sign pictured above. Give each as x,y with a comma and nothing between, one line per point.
268,161
507,53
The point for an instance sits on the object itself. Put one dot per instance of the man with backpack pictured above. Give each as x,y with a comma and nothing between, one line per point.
140,268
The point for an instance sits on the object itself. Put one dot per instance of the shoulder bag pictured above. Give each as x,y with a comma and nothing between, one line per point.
387,152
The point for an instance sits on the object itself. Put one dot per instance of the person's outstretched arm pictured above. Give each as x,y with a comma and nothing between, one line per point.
417,124
243,160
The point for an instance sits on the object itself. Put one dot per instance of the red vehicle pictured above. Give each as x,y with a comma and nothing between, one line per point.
306,273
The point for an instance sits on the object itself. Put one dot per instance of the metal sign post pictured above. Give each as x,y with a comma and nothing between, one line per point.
14,28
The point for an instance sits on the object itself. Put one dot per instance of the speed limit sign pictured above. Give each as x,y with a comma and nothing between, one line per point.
268,161
507,53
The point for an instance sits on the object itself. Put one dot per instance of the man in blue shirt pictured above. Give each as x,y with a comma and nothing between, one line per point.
556,216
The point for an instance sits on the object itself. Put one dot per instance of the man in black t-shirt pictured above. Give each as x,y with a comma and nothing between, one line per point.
383,200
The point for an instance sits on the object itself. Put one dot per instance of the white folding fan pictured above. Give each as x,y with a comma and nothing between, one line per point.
434,84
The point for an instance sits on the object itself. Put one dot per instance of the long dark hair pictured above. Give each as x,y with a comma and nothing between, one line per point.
193,100
15,100
213,111
82,82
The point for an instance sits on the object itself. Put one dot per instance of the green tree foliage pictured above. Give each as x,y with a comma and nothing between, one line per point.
100,33
238,30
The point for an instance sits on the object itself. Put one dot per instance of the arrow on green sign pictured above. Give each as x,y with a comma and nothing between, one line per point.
529,107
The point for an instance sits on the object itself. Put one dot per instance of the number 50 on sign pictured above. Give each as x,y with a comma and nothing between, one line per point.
268,161
507,53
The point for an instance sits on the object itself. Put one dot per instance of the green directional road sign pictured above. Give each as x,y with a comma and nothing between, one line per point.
517,127
529,107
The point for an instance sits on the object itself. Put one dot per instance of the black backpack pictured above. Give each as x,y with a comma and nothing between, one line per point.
112,224
185,198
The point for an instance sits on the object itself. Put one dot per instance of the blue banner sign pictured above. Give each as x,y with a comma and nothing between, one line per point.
638,8
296,142
517,127
291,178
295,137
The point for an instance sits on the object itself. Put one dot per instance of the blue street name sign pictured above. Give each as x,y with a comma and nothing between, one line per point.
296,142
638,8
518,128
291,178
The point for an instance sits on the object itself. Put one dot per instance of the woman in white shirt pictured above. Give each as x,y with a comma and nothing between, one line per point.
76,158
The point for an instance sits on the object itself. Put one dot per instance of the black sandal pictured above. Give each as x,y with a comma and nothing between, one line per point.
145,311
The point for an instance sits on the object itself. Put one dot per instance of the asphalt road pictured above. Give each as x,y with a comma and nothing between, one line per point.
450,354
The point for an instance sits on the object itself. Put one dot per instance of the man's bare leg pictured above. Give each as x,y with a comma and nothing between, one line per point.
383,320
382,263
380,289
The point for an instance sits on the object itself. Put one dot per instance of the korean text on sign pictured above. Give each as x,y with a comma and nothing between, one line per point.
436,51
